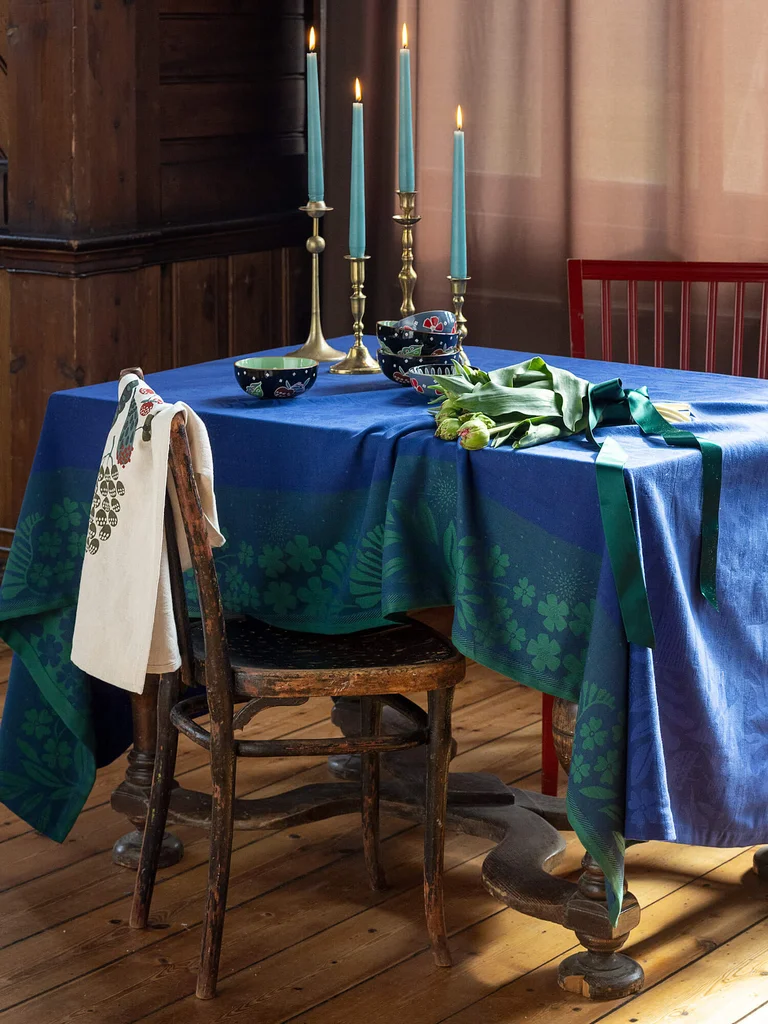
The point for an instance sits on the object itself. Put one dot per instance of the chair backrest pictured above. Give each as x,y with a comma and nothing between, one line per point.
660,273
218,669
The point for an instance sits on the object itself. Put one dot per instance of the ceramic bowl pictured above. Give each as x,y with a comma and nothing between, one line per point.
396,367
275,376
410,344
441,321
426,374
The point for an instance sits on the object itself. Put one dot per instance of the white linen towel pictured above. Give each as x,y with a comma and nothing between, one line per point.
124,625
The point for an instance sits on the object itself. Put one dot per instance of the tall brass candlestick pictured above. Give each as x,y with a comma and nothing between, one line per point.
358,359
316,347
458,294
407,276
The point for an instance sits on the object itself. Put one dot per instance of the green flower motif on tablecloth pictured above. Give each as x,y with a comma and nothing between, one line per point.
593,694
583,621
579,769
245,554
545,651
64,571
336,564
316,597
40,575
608,767
66,514
575,667
281,597
76,545
365,577
593,734
501,612
49,649
497,562
272,560
513,635
48,544
57,754
524,592
37,723
553,611
302,554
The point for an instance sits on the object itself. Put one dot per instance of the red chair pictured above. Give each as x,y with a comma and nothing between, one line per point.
631,272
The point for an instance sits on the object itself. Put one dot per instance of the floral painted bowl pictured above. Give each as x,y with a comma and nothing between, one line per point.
410,343
275,376
440,321
426,374
396,367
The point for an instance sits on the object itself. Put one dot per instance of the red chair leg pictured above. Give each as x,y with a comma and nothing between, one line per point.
549,762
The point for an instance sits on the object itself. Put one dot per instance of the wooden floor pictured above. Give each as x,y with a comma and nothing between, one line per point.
306,941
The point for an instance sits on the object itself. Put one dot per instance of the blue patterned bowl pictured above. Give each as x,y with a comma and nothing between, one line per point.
426,374
441,321
275,376
396,367
411,344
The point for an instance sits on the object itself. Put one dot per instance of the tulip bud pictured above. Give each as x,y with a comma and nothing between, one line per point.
477,416
448,429
474,434
447,411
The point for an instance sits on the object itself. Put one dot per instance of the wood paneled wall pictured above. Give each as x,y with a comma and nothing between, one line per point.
156,163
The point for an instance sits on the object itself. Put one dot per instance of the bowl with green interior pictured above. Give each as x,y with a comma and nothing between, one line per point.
275,376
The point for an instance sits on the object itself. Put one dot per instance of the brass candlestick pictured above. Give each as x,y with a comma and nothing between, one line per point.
407,276
358,359
316,347
458,294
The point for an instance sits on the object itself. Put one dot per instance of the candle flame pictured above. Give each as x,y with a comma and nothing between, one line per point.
358,91
405,36
459,119
312,39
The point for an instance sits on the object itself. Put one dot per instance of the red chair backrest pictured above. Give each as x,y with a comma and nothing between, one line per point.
660,273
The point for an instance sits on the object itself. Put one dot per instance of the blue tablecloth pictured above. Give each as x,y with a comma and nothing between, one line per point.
342,508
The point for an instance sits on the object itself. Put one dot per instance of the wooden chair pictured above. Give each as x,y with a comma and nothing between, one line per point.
249,663
661,273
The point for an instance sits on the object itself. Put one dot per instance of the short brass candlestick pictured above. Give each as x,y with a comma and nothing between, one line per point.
458,294
316,347
358,359
407,276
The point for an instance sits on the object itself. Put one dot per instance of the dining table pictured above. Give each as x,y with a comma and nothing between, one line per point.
342,509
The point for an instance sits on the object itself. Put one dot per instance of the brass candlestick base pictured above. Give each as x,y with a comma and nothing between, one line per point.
358,359
458,294
407,276
316,347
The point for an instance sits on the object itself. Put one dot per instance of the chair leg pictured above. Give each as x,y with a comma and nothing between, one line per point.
159,798
438,760
549,762
222,824
370,725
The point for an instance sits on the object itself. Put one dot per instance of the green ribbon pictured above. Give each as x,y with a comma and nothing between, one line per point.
610,403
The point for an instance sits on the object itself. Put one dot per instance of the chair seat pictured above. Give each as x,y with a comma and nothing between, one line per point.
401,658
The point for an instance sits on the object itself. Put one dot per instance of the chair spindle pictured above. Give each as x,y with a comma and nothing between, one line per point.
710,356
685,325
737,358
633,333
605,319
762,357
658,323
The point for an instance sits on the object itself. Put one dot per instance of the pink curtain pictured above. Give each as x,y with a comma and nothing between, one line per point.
594,128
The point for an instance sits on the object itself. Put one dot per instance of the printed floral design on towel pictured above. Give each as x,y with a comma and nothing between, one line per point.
105,507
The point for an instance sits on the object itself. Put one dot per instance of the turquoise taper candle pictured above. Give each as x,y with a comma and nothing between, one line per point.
406,168
357,181
459,206
316,181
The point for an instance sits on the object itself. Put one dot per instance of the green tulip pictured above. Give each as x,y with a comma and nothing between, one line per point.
448,429
477,416
474,433
448,410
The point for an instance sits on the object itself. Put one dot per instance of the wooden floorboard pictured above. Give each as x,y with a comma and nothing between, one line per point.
306,941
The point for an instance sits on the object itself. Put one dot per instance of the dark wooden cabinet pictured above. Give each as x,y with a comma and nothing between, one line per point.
156,160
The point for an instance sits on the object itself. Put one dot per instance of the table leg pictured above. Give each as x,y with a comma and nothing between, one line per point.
132,795
760,863
600,972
